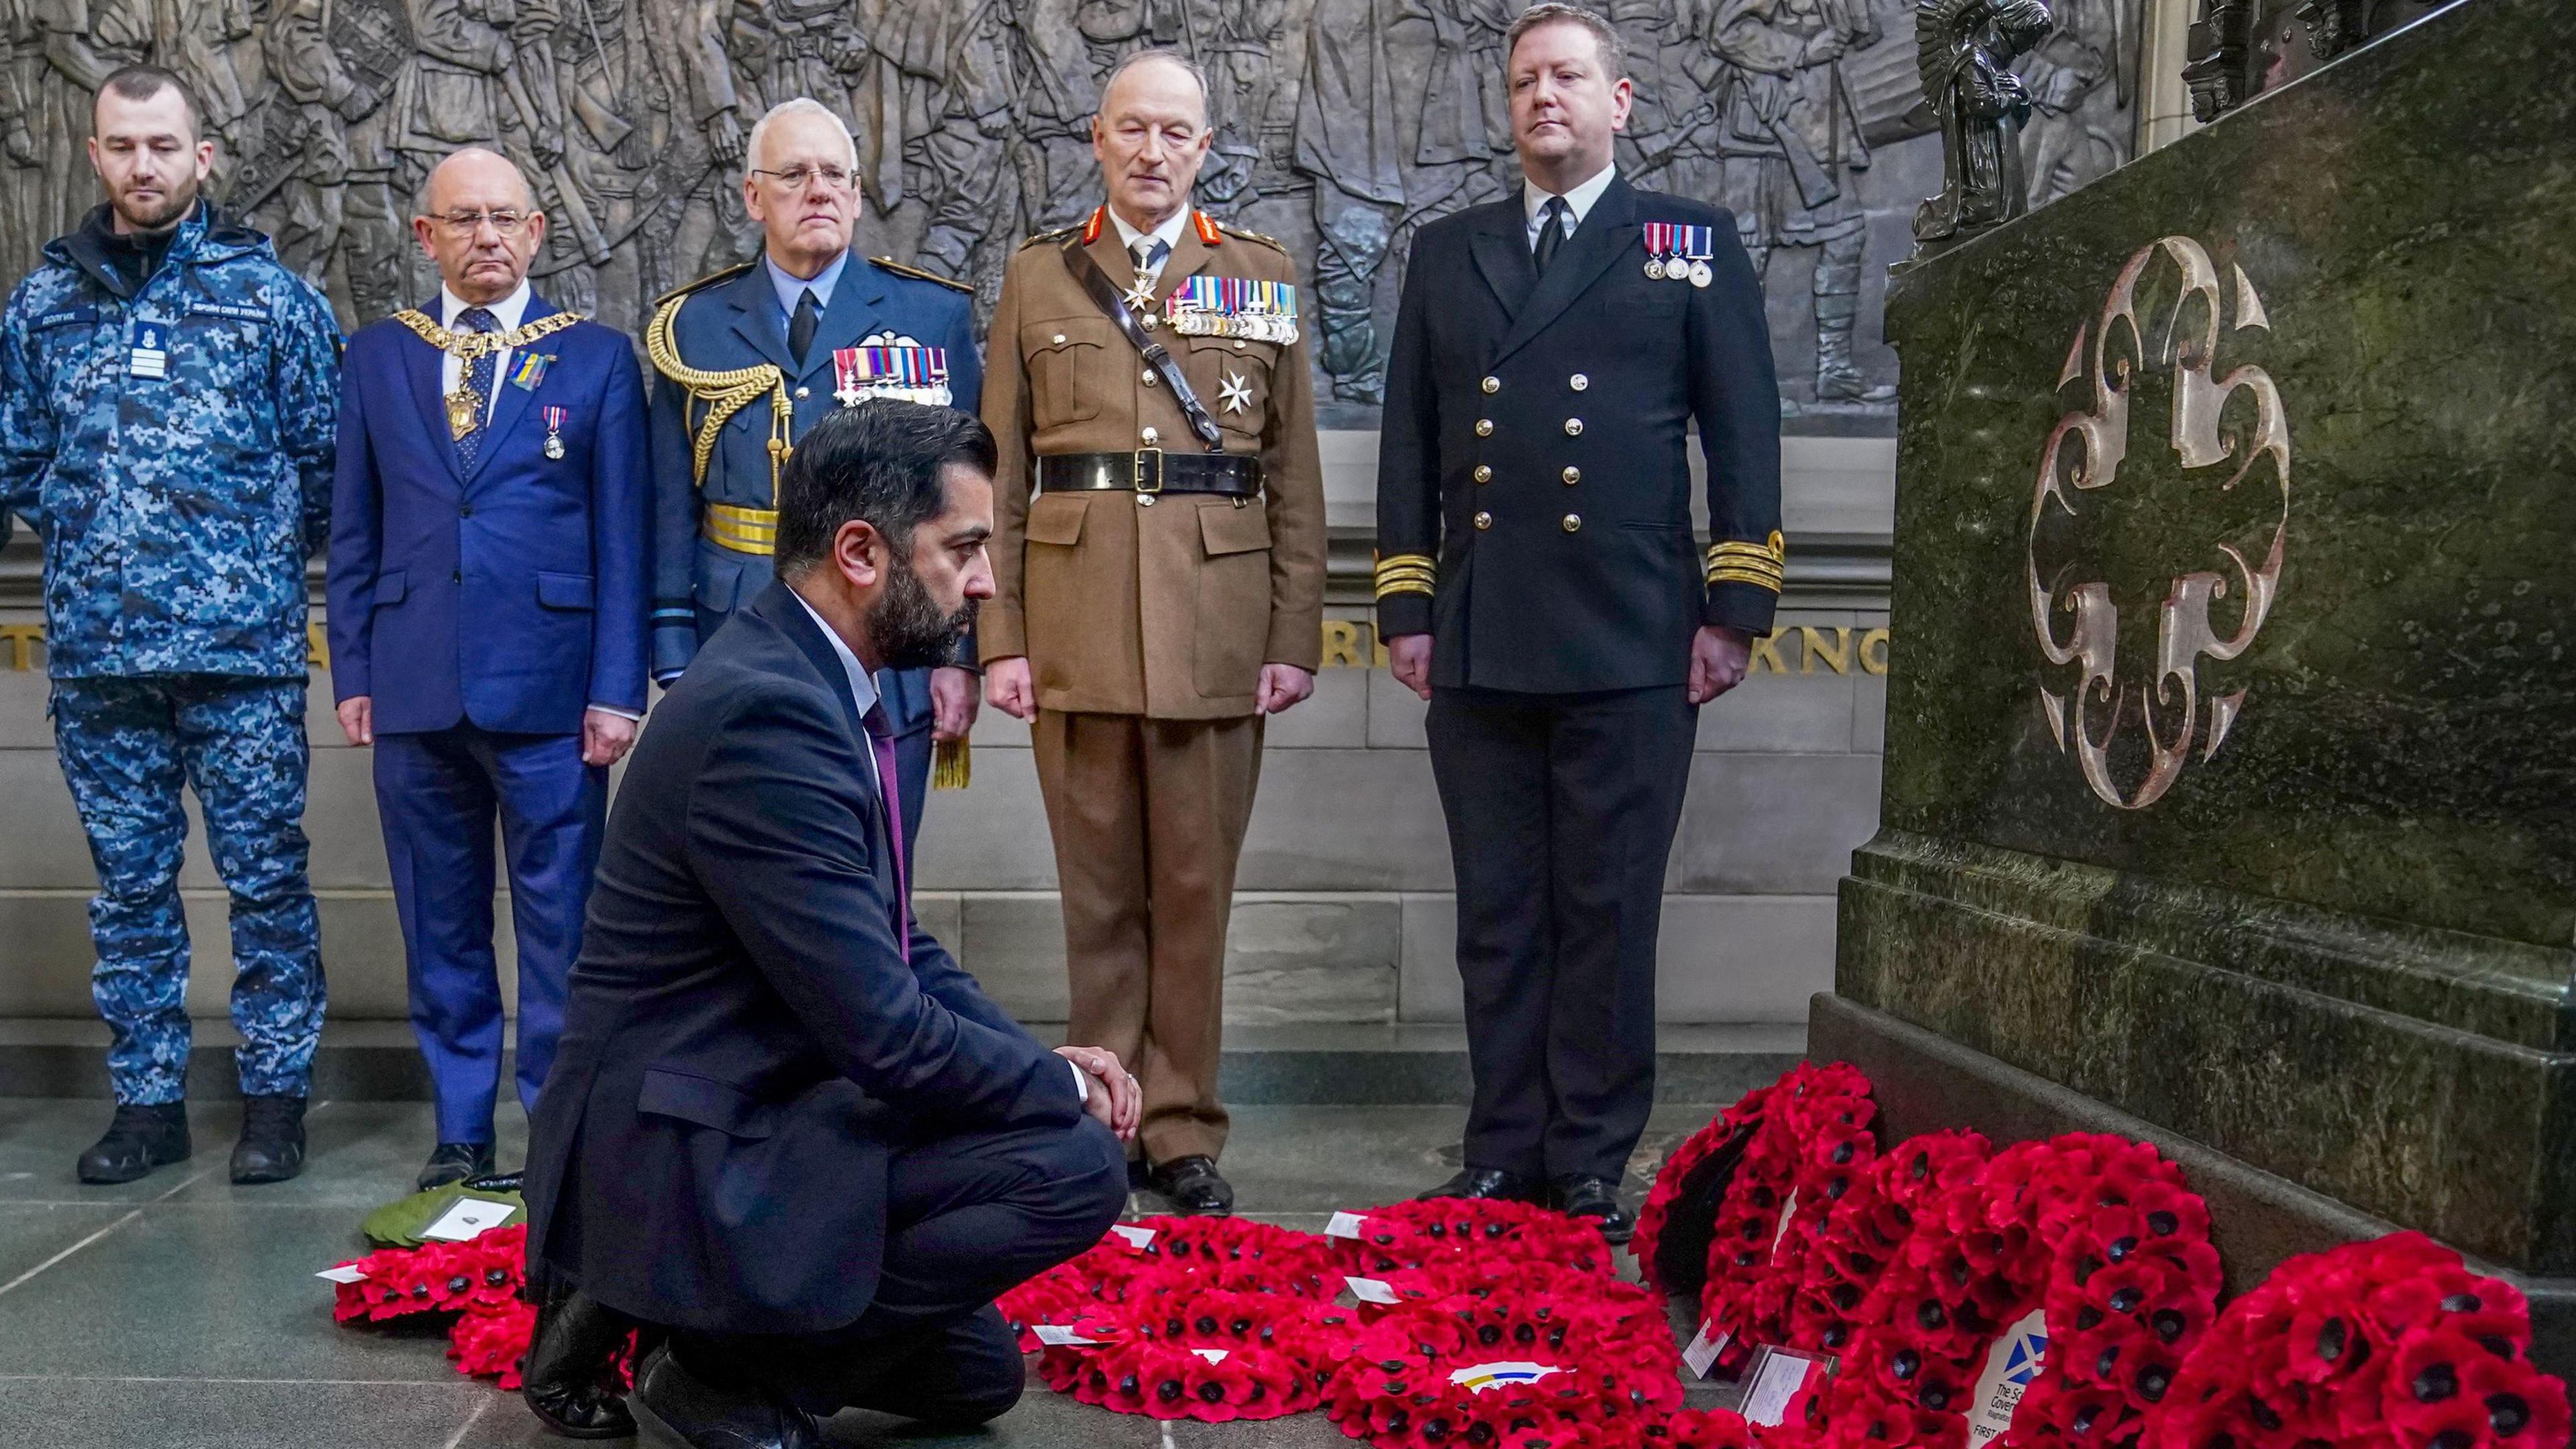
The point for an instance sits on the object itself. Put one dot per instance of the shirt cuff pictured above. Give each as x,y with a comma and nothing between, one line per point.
620,713
1081,1082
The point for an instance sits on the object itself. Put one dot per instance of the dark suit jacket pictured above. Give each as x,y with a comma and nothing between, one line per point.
743,1040
511,594
1533,487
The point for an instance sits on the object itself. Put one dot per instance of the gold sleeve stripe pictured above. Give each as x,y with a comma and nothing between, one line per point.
1763,565
1407,573
1744,576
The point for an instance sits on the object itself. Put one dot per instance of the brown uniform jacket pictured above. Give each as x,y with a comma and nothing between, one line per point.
1167,610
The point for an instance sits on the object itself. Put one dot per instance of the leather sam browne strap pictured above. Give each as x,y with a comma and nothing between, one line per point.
1105,295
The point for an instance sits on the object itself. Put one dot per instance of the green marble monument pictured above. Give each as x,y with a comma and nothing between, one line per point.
2231,755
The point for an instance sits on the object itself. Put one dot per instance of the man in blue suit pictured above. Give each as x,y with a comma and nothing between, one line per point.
752,357
787,1134
487,590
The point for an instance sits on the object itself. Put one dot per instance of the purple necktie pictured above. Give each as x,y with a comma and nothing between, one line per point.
881,742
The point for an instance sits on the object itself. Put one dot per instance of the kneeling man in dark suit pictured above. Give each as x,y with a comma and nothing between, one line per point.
782,1124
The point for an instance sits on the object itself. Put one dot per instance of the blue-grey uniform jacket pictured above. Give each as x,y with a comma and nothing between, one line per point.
172,446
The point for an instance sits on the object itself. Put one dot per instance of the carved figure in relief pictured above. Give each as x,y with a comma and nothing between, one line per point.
957,129
1790,144
1345,143
2072,138
1965,50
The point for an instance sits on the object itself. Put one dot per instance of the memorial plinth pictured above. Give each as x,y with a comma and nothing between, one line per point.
2231,755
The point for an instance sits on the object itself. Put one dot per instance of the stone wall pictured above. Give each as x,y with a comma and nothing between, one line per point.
1344,910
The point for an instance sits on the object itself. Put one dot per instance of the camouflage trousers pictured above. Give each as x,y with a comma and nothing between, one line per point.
127,747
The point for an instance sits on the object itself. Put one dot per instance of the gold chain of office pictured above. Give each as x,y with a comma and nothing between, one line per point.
467,347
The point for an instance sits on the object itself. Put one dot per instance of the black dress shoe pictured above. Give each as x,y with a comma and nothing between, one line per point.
272,1141
675,1409
455,1162
1489,1182
1193,1184
568,1375
1597,1199
139,1139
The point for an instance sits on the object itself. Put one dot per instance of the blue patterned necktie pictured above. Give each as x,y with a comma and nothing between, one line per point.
476,383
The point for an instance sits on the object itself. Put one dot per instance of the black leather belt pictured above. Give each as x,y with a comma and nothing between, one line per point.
1235,475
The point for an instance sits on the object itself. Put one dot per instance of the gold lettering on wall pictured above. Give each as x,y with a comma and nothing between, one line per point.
1837,655
21,638
1348,644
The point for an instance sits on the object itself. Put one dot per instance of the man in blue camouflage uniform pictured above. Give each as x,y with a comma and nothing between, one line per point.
168,397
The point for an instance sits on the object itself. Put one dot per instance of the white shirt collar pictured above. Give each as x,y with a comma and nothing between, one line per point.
863,686
507,311
1169,233
1580,199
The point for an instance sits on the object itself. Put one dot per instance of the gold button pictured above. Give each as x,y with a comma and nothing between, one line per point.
1484,473
1573,522
1152,437
1150,320
1573,476
1484,427
1578,382
1493,384
1149,379
1484,521
803,393
1058,340
1574,427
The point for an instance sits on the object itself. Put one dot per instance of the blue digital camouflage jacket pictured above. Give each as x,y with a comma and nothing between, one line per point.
177,488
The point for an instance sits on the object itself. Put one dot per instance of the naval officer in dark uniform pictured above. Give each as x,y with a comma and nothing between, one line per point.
751,358
1539,582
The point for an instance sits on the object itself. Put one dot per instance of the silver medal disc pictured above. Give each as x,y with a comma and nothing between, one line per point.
1655,268
1700,275
554,447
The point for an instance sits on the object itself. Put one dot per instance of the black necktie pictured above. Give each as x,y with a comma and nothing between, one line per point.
1150,252
800,328
1551,232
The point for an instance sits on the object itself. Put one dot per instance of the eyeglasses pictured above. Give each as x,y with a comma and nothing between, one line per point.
466,223
795,178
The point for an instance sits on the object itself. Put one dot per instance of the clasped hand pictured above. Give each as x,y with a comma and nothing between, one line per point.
1115,1102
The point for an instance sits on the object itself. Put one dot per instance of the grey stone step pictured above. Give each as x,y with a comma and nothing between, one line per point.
1335,1065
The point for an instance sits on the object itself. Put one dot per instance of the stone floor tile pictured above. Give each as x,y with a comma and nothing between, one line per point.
207,1292
107,1412
31,1233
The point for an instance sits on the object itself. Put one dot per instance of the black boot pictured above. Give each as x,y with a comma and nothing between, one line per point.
567,1373
1598,1199
272,1141
1194,1185
140,1139
455,1162
675,1409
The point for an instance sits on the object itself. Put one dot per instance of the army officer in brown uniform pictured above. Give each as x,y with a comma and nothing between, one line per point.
1158,566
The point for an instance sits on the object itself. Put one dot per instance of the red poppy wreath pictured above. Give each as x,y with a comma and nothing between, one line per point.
478,1280
2049,1296
2392,1344
1814,1141
1675,1222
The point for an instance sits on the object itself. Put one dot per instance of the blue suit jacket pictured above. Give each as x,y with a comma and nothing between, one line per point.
511,595
745,1036
733,322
